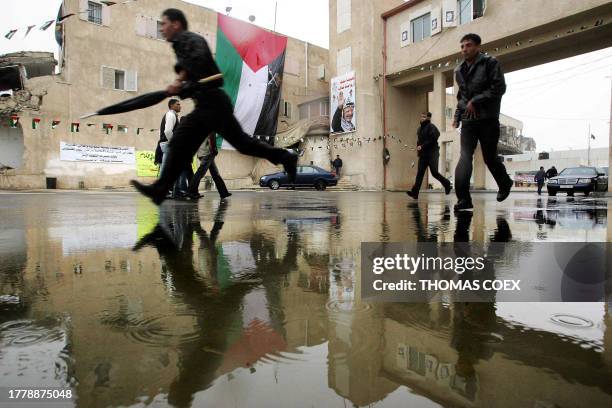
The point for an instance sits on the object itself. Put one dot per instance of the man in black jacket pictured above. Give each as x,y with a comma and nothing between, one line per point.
428,152
481,86
213,110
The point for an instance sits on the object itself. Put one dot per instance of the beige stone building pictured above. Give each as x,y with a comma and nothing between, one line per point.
114,53
401,51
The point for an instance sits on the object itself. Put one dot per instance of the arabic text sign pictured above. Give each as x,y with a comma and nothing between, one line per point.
97,154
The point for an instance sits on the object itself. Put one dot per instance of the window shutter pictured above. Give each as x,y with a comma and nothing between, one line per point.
436,21
131,81
108,78
106,15
449,16
405,34
141,25
151,27
83,6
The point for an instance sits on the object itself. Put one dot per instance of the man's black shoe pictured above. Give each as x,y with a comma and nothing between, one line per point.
504,192
413,194
223,197
463,205
290,166
447,189
153,193
194,196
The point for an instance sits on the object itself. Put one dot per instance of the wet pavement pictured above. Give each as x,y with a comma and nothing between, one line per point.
255,302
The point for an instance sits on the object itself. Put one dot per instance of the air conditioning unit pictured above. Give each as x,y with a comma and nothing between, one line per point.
321,72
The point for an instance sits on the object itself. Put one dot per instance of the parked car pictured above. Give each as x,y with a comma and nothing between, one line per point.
307,176
581,179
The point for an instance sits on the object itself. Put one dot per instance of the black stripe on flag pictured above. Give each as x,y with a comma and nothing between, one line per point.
268,118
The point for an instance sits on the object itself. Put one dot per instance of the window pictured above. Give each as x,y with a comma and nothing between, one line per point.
286,109
421,28
158,33
119,79
343,15
469,10
449,113
94,12
308,170
324,108
304,111
343,61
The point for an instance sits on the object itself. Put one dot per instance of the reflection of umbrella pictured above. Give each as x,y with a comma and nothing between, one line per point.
142,101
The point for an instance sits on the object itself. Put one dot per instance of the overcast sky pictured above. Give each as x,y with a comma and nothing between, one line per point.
556,101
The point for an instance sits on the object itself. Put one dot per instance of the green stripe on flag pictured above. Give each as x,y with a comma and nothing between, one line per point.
230,64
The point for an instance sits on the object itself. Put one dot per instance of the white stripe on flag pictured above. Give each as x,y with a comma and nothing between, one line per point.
251,96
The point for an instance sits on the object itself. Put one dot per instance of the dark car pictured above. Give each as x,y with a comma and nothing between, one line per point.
307,176
582,179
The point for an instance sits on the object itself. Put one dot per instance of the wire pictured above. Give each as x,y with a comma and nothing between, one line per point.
562,71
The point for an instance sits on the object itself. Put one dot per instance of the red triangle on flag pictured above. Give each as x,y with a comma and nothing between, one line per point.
256,46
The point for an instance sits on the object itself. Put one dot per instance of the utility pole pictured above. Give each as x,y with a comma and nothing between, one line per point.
275,9
589,150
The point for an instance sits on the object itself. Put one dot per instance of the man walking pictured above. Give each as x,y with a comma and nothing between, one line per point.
428,152
539,178
481,86
337,163
552,172
167,127
206,153
213,110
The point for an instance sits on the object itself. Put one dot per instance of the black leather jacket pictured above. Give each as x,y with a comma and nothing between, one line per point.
484,85
427,138
194,56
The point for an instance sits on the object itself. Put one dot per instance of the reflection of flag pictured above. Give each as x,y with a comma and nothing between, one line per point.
592,136
10,34
252,61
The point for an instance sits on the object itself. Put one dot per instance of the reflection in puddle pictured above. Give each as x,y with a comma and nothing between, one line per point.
257,302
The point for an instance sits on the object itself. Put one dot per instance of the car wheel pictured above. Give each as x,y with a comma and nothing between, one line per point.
274,184
552,193
320,185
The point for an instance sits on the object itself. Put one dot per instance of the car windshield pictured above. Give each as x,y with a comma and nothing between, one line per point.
578,171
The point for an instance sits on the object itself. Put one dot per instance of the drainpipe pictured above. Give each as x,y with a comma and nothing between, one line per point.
384,107
306,52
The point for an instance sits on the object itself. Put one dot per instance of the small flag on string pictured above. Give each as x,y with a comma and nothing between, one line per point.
55,123
74,127
108,3
107,127
62,18
592,136
35,123
46,25
13,121
122,128
28,30
10,34
91,124
138,130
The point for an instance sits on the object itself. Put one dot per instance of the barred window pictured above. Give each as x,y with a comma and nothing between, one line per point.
94,12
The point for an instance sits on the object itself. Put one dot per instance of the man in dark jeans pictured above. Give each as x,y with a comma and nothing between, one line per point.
337,163
539,178
428,152
481,86
213,110
206,154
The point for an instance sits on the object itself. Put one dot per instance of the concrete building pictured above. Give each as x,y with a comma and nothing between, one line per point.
412,49
114,53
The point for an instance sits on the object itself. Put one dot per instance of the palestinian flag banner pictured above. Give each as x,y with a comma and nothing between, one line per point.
252,61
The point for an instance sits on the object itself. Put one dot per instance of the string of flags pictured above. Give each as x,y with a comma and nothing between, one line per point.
338,142
46,24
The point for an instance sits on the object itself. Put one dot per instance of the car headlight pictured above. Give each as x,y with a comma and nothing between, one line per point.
586,181
553,182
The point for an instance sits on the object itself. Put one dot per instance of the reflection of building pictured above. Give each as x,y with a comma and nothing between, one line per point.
111,54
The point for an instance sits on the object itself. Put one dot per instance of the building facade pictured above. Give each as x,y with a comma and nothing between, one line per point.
110,54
